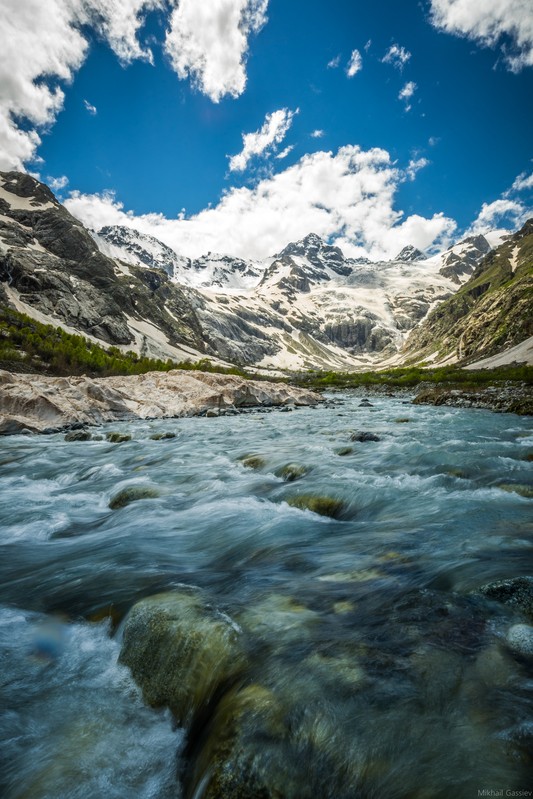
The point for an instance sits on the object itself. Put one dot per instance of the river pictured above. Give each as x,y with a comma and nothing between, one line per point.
425,515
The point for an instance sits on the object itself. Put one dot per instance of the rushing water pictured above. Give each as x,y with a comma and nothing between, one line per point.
424,522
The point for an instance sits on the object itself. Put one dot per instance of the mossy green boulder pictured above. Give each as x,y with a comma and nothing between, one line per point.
118,438
132,494
291,472
253,462
516,488
181,652
343,451
323,505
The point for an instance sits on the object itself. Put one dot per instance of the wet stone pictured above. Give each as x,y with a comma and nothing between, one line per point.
291,472
364,436
78,435
132,494
118,438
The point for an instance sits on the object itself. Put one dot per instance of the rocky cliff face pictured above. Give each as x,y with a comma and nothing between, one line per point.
51,268
489,313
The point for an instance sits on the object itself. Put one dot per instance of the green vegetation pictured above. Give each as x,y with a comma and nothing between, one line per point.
412,376
29,346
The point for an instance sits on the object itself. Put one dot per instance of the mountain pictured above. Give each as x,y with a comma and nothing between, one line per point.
52,270
132,247
491,312
308,306
410,253
137,248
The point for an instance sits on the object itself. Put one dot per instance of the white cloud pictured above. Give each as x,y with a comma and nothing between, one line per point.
396,56
509,211
271,133
523,182
415,165
208,42
56,184
502,213
355,64
487,21
347,196
92,109
407,92
368,45
43,44
318,134
335,62
284,153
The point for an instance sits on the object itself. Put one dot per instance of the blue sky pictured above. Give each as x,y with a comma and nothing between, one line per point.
140,143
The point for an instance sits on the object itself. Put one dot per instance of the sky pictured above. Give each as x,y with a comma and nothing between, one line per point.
237,126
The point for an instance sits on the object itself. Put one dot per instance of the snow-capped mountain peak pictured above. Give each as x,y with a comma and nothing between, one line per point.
133,247
409,254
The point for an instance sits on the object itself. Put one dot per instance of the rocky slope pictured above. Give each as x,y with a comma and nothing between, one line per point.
36,403
491,312
306,307
52,269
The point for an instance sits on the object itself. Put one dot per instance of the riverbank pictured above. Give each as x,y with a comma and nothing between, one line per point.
503,398
39,404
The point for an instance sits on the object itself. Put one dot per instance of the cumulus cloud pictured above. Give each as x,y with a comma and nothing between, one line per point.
43,44
355,64
487,22
502,213
347,197
509,211
318,134
396,56
92,109
208,42
264,140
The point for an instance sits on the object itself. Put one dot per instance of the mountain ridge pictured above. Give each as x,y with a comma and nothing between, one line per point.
306,307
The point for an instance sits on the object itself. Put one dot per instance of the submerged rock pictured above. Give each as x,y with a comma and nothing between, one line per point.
78,435
132,494
291,472
344,451
162,436
516,488
364,436
118,438
520,640
323,505
516,592
253,462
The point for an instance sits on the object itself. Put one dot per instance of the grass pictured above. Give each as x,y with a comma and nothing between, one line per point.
410,377
30,346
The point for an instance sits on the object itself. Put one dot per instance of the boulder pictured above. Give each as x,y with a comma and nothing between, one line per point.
364,436
181,652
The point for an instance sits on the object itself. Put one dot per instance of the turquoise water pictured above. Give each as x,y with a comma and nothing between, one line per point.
423,522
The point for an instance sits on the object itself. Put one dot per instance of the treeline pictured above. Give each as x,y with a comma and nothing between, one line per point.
412,376
30,346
